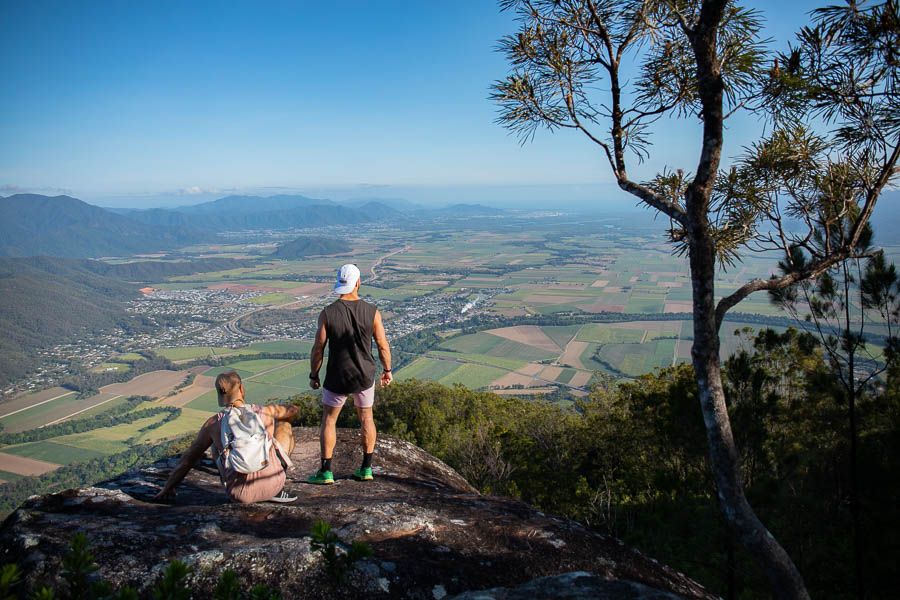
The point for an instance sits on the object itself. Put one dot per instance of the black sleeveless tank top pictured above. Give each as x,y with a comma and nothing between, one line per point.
351,366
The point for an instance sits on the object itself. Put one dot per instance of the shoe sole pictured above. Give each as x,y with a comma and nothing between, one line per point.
325,482
281,500
363,478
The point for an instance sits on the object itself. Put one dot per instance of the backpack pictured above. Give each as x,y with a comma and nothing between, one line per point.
245,441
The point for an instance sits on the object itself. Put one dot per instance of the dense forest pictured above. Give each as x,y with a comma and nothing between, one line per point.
47,301
311,246
631,460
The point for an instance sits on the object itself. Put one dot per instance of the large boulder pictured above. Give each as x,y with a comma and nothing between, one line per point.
432,534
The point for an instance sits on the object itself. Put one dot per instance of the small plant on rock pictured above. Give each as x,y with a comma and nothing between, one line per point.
173,585
338,555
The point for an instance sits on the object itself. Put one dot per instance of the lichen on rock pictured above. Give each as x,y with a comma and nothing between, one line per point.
431,533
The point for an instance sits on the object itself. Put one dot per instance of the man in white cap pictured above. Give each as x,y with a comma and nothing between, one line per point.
348,326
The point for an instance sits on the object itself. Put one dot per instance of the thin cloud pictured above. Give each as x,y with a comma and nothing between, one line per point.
18,189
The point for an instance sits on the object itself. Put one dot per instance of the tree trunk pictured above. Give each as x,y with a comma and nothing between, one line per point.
854,491
784,578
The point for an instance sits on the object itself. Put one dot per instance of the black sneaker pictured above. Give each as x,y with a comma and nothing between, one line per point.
282,497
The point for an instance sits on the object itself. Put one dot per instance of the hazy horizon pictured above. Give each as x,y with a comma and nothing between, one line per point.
173,107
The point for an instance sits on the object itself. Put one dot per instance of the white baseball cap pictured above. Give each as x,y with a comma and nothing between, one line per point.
347,276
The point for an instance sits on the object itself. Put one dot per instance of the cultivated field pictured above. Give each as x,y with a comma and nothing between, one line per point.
20,465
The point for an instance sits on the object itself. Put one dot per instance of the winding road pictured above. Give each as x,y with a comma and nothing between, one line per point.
381,259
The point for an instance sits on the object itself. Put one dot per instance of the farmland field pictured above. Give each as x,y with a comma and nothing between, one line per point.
52,452
500,295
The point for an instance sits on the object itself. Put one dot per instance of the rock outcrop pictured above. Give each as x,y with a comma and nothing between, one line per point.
432,534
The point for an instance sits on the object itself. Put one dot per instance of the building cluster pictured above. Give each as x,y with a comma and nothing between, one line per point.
212,317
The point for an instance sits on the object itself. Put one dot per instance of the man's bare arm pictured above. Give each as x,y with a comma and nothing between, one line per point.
188,460
384,349
318,353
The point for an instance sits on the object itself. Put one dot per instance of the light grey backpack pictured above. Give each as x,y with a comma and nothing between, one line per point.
245,442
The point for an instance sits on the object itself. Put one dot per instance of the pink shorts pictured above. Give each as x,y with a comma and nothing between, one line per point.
363,399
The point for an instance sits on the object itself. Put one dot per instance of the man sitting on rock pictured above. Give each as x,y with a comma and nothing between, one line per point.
348,326
251,445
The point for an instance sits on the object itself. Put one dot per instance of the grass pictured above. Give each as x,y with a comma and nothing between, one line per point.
287,372
194,352
427,369
53,452
566,375
606,334
40,415
103,408
214,371
473,376
484,359
476,343
128,357
492,345
645,304
665,352
587,358
280,346
273,298
208,402
190,421
7,476
635,359
257,365
561,334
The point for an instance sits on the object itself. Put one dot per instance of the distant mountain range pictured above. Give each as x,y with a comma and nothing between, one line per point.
35,225
235,213
31,225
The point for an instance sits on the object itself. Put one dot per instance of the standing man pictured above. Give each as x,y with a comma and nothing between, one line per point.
348,326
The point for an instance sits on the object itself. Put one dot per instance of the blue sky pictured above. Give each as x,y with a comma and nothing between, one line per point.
161,103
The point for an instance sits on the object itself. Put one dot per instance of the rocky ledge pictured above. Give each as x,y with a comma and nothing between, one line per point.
432,534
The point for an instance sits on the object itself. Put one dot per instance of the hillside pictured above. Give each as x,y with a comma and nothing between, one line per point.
150,271
256,212
50,300
31,225
431,533
311,246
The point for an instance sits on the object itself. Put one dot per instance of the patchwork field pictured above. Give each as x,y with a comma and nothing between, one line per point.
20,465
420,278
528,358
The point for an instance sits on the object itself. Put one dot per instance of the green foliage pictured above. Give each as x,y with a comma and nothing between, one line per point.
10,578
228,587
310,246
47,301
339,557
77,566
81,583
264,592
631,460
173,583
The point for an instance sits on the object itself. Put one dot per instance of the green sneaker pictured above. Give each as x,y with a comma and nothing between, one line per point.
322,478
363,474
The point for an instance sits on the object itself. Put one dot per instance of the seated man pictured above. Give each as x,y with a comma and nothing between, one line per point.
266,484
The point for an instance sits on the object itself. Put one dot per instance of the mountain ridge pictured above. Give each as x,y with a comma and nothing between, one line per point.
33,225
